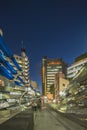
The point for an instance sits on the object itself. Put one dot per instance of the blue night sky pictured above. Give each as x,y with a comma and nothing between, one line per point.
56,28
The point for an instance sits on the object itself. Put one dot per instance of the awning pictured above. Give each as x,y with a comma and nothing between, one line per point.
18,83
10,67
19,78
8,52
16,64
5,48
6,73
7,64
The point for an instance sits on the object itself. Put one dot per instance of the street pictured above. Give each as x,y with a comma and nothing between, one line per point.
43,119
48,119
43,65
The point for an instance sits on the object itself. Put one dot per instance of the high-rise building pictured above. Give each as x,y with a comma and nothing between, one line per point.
23,62
76,66
9,71
49,68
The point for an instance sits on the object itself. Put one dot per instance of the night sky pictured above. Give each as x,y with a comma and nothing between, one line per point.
54,28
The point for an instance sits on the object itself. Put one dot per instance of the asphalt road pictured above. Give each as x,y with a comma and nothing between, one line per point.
48,119
22,121
44,119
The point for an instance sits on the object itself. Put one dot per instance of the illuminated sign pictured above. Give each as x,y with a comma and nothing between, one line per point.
54,63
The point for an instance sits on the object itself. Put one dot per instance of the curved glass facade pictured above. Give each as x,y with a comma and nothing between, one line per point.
8,70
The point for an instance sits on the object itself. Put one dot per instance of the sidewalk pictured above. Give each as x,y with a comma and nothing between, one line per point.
7,114
21,121
44,121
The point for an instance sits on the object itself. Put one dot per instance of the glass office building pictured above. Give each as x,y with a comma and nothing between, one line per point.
49,69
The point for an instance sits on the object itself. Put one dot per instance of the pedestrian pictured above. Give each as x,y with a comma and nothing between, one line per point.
39,104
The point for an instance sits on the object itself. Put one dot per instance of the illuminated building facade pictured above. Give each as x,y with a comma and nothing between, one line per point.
49,68
9,70
23,62
60,85
14,71
78,64
76,92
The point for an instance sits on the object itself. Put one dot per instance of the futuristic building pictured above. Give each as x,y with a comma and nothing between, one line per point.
76,66
6,55
23,62
12,73
76,92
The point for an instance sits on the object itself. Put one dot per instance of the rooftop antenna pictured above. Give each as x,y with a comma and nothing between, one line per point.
22,46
